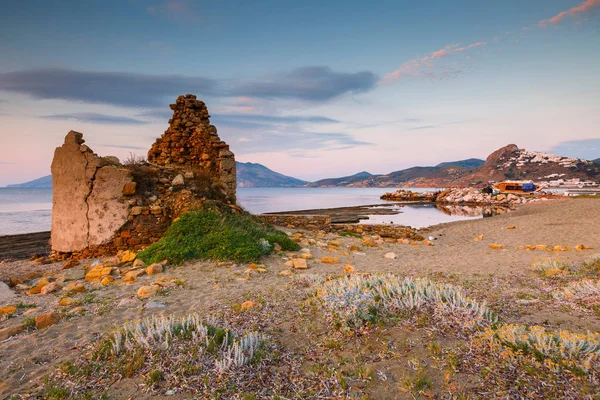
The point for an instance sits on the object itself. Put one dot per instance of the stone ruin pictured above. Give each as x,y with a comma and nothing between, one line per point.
101,206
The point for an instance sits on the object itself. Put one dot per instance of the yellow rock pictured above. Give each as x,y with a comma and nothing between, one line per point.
496,246
128,256
286,272
306,256
541,246
45,320
368,242
147,291
107,280
132,275
248,304
335,243
511,227
582,247
349,269
261,270
74,287
97,273
330,260
67,302
8,310
300,263
354,248
479,238
530,247
289,263
157,268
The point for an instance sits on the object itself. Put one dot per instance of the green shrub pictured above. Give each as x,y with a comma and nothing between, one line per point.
216,233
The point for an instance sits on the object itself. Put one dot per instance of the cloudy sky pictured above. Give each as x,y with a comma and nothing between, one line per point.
311,89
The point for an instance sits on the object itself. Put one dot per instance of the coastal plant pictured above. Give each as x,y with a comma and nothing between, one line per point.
533,362
582,294
550,268
308,280
158,335
591,267
216,232
357,300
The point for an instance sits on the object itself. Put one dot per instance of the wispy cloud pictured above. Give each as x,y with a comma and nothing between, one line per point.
274,119
141,90
95,118
425,67
118,146
583,8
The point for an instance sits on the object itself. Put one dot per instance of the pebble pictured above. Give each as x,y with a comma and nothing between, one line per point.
155,304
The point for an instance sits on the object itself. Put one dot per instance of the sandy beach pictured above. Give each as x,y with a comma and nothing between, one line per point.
502,277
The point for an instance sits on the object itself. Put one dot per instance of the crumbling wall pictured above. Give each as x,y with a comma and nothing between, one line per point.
101,206
191,141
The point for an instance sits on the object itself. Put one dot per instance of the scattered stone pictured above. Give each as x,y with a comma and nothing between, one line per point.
7,332
74,274
511,227
178,181
289,263
45,320
154,269
354,247
496,246
75,287
137,263
51,288
76,310
349,269
147,291
287,272
127,302
131,276
390,256
368,242
68,302
427,242
479,238
97,273
330,260
14,282
299,263
248,304
5,292
128,256
107,280
8,310
335,243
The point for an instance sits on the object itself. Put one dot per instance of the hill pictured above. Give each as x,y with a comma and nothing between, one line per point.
470,163
596,161
248,175
257,175
345,181
43,182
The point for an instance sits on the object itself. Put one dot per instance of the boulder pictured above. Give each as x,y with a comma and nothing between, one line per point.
9,331
43,321
330,260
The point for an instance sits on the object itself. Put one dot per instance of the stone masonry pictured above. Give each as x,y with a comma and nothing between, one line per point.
101,206
191,141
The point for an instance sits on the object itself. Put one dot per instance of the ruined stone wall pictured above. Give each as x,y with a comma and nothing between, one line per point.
192,141
101,206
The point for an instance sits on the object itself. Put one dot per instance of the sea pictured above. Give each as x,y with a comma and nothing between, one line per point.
27,210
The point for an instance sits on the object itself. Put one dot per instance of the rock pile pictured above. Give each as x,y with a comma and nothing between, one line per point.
476,197
191,141
407,195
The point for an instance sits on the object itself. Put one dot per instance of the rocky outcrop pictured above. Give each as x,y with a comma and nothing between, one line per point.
191,142
101,206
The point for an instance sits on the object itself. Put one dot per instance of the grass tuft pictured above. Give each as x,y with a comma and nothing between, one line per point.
216,233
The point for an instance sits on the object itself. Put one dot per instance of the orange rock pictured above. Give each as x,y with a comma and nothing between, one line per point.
349,269
530,247
157,268
479,238
8,310
107,280
7,332
67,302
306,255
496,246
248,304
511,227
300,263
582,247
286,272
75,287
289,263
354,248
128,256
541,246
45,320
51,287
368,242
253,266
98,272
70,264
330,260
427,242
147,291
131,276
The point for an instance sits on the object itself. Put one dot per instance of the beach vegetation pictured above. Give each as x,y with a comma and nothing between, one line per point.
216,232
550,268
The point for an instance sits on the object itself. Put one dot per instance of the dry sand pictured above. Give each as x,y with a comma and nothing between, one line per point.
501,277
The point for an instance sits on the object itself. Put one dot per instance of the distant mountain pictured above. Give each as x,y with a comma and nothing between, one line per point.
596,161
248,175
345,181
470,163
257,175
43,182
508,162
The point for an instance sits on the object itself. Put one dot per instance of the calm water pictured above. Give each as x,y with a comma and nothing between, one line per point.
30,210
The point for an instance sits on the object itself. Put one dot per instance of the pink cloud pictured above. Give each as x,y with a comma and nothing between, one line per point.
583,8
421,67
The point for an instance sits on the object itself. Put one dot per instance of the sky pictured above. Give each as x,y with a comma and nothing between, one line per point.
311,89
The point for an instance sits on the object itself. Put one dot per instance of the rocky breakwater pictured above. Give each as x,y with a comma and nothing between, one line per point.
101,206
472,196
407,195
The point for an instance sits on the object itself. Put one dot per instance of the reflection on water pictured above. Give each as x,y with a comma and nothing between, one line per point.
424,215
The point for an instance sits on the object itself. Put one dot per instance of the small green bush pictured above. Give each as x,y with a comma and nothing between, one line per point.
216,233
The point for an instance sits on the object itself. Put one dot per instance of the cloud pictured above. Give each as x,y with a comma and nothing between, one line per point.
116,88
95,118
425,67
140,90
588,149
307,83
272,119
583,8
418,128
